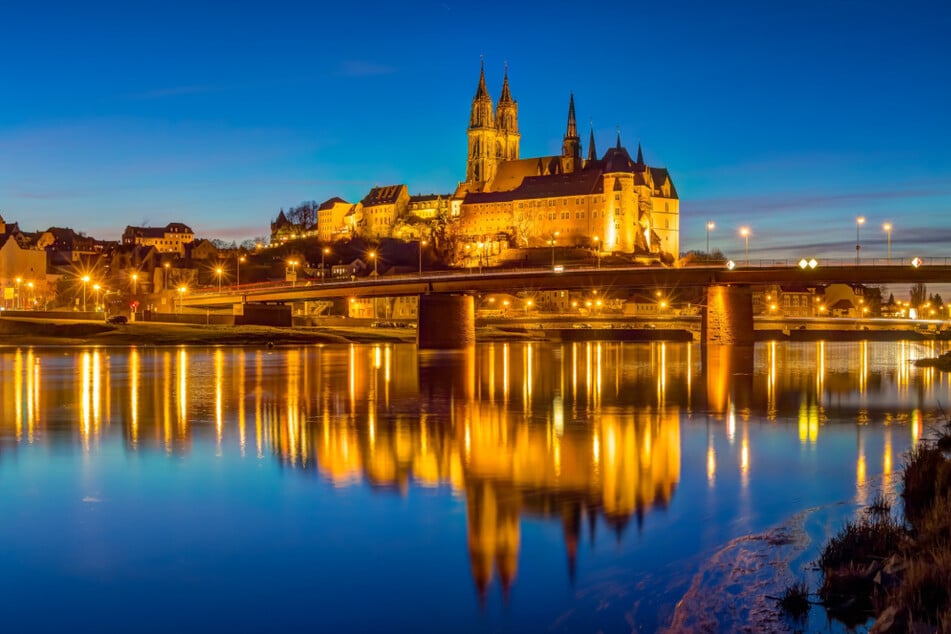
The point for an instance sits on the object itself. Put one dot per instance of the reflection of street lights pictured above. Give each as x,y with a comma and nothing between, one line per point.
745,232
888,231
422,243
85,282
859,221
218,272
710,227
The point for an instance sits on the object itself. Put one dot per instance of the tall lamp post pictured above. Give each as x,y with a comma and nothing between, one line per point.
165,285
18,302
745,232
218,272
710,227
422,243
372,256
135,280
323,258
237,270
85,282
597,246
554,239
181,297
96,288
888,231
32,296
859,221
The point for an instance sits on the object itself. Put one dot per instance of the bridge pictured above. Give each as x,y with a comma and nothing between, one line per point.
446,307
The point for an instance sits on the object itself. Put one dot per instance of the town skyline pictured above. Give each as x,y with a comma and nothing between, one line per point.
198,143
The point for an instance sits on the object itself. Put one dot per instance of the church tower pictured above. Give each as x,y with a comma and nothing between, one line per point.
481,163
571,146
506,119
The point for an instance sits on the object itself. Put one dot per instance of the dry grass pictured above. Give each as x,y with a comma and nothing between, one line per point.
795,600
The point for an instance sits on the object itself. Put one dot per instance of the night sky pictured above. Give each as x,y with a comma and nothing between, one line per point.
791,118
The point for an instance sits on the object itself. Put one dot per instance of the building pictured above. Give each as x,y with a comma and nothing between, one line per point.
616,202
377,214
22,269
171,238
331,219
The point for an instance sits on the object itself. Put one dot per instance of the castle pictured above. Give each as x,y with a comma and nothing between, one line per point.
614,203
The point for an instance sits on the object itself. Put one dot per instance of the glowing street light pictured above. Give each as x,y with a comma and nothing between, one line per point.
887,227
372,256
181,297
745,232
710,227
323,257
96,288
422,243
597,245
293,264
135,279
237,270
859,221
165,285
554,240
85,282
218,272
29,285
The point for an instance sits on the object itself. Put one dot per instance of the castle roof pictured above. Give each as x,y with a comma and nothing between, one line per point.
330,202
387,195
510,174
579,183
660,175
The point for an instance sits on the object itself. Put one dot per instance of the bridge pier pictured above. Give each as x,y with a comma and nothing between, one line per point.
445,322
728,316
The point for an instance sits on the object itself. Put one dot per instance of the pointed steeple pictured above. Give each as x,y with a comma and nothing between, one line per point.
592,152
506,97
618,137
481,91
572,131
571,146
640,154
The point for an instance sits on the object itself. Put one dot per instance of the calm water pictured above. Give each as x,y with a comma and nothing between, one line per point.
516,487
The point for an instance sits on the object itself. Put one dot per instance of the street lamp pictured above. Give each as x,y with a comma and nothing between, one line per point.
85,282
372,256
422,243
165,285
237,270
293,264
218,272
181,297
481,246
323,256
859,221
710,227
29,285
96,288
554,239
18,280
135,280
745,232
597,246
888,231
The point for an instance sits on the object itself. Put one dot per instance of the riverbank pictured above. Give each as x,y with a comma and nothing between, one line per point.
34,332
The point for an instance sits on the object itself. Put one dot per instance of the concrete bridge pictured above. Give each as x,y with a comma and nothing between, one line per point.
446,316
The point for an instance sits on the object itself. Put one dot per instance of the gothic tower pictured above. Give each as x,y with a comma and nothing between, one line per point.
571,146
506,119
481,163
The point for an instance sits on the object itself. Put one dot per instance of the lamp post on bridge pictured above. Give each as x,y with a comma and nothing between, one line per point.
597,246
710,227
323,258
745,232
859,221
888,231
218,272
85,282
237,270
422,243
554,240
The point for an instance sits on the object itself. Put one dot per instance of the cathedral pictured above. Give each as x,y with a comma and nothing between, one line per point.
616,202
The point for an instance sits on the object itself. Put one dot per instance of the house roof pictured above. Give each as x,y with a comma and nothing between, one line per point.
386,195
330,202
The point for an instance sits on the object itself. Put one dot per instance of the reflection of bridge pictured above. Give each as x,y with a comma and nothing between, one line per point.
446,309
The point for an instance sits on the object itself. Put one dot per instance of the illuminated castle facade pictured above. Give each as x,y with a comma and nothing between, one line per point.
616,202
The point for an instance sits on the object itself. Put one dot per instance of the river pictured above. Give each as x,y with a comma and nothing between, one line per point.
510,488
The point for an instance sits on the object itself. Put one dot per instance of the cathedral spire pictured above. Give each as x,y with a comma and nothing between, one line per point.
481,91
572,131
506,97
571,146
592,152
619,137
640,154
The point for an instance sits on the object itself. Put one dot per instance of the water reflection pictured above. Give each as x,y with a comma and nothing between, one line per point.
581,433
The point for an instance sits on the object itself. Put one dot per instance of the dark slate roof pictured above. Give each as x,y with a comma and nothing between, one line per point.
330,202
421,198
617,159
178,227
382,195
659,175
579,183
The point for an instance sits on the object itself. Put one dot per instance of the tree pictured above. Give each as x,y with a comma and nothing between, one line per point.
918,294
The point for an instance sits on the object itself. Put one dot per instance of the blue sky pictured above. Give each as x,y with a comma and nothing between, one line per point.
791,118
